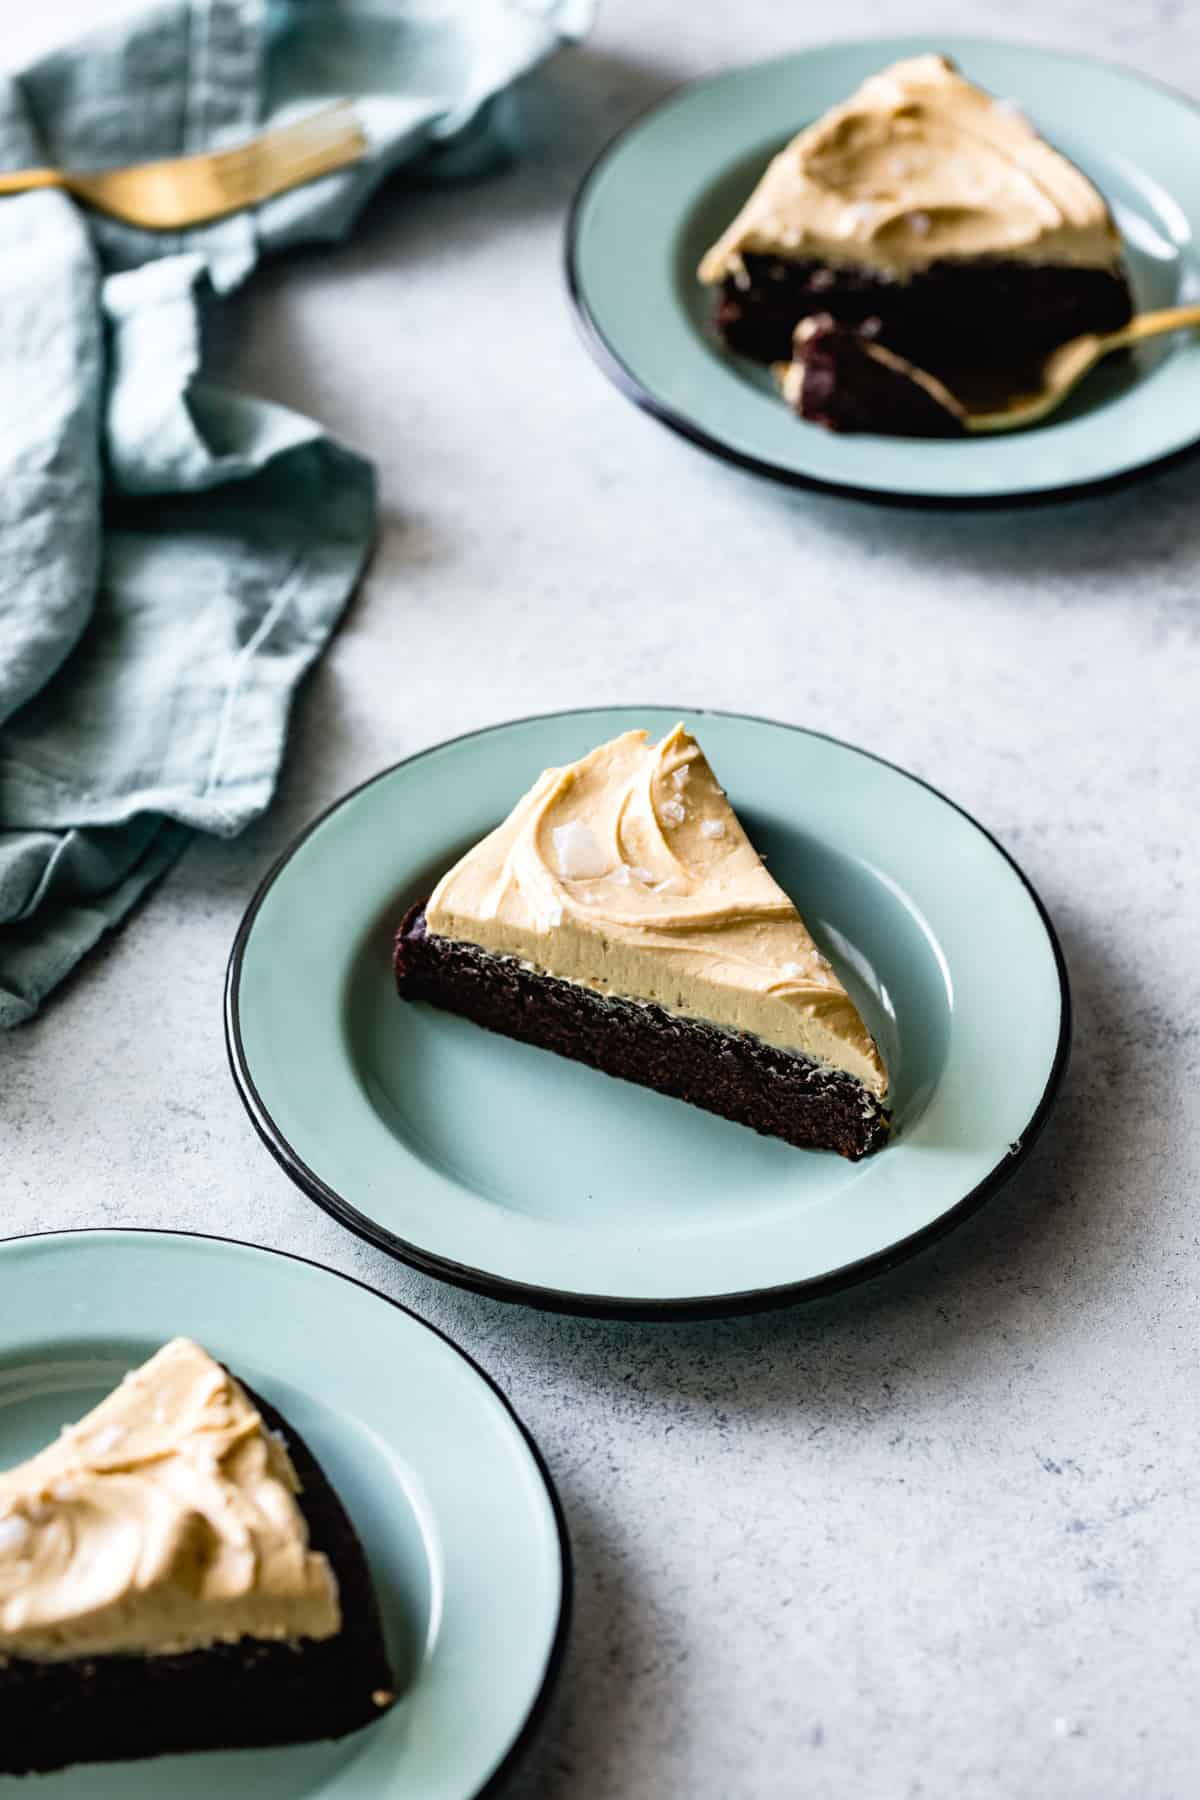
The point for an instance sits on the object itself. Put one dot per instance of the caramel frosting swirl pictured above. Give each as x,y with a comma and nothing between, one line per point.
919,165
629,873
164,1521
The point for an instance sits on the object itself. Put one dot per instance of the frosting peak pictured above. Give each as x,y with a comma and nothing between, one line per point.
917,166
629,872
166,1520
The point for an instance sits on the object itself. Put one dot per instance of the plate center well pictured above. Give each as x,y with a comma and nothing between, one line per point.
536,1134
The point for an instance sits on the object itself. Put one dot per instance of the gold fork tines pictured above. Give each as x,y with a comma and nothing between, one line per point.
190,190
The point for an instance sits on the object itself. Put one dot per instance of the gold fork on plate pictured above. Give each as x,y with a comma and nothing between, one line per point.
190,190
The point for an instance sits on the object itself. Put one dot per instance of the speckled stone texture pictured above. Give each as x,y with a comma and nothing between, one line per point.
935,1538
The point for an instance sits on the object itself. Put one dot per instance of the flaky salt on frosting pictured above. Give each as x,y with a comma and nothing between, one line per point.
919,165
164,1521
629,873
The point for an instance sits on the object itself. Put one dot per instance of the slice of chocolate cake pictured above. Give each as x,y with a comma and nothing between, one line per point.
935,212
176,1573
621,916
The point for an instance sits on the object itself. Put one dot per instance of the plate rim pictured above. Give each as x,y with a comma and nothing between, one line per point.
612,1306
539,1706
611,363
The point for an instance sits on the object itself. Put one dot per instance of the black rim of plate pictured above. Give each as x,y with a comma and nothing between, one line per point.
613,365
615,1306
558,1648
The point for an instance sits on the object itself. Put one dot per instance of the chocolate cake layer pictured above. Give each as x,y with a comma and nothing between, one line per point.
231,1696
736,1076
845,388
953,315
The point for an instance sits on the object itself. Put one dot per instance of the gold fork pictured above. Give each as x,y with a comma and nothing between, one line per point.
190,190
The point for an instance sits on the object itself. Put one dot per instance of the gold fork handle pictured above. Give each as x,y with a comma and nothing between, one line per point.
1152,324
19,181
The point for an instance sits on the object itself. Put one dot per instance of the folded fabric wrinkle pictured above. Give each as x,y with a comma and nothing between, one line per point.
176,555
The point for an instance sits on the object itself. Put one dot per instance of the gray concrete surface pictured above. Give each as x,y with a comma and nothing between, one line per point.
934,1538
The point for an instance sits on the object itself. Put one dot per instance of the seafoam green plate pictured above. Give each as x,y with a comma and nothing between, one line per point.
670,183
460,1524
515,1172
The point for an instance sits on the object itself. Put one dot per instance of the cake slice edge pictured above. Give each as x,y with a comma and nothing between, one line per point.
775,1092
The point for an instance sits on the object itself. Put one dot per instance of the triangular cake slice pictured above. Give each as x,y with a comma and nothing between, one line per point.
176,1573
621,916
933,210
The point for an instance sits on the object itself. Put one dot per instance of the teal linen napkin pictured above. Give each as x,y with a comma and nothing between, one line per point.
176,555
